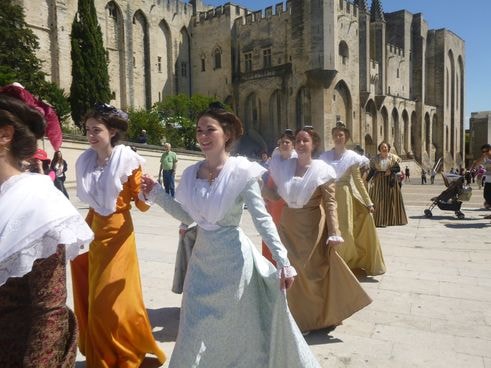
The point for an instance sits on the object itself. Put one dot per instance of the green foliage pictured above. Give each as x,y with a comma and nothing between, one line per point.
90,76
179,114
148,120
18,60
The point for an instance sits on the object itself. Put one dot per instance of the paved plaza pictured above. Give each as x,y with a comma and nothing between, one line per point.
431,309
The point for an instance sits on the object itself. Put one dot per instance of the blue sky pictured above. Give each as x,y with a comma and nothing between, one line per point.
469,19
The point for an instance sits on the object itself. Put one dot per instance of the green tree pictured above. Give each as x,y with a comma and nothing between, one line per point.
179,114
148,120
90,76
18,60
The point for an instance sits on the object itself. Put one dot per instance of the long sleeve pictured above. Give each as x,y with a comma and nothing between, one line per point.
169,204
330,208
264,223
134,183
360,186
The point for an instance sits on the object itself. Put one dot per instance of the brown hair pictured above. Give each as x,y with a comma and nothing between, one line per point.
341,128
111,117
384,142
27,122
230,123
316,139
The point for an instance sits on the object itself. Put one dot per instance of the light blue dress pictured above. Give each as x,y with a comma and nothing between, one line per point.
233,311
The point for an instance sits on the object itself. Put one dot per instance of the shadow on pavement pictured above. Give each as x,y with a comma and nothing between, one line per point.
322,336
479,225
436,218
168,320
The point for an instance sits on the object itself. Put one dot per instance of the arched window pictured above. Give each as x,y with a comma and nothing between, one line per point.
343,52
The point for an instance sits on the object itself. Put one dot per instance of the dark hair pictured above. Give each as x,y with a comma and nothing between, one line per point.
230,123
384,142
57,158
486,146
288,134
342,128
111,117
316,139
28,124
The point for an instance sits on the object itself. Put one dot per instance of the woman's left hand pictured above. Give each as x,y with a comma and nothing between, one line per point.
286,282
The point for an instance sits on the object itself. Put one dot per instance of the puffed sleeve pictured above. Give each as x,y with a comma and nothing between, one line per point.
169,204
265,226
330,208
134,184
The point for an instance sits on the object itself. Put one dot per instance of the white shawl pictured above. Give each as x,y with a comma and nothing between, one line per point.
296,191
101,192
35,218
345,162
208,203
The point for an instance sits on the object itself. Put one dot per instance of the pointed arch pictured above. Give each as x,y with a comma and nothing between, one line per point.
163,51
141,61
342,104
451,62
276,115
115,47
183,63
385,124
395,131
427,133
371,128
406,141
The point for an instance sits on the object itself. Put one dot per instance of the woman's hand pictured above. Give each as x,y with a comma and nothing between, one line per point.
285,282
371,208
147,184
334,243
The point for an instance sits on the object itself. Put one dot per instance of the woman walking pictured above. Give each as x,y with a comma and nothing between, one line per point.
39,231
114,326
384,191
325,292
361,248
59,167
234,313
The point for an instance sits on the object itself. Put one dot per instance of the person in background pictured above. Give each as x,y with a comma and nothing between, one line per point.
142,137
406,174
423,176
485,161
114,327
274,203
432,176
234,312
361,248
167,171
59,167
39,231
385,194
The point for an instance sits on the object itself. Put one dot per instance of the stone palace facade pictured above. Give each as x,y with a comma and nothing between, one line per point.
388,76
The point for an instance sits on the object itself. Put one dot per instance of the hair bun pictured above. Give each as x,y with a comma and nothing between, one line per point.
340,124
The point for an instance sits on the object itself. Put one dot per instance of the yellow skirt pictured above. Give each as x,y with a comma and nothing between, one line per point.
113,322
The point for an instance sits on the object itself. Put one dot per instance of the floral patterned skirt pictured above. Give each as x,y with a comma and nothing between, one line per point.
36,327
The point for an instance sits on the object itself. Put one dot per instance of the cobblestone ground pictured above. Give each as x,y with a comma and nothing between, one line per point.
431,309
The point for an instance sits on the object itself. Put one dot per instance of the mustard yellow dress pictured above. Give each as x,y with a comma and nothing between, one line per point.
114,327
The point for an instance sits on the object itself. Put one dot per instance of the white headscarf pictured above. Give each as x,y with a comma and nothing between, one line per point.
100,188
297,191
35,218
208,203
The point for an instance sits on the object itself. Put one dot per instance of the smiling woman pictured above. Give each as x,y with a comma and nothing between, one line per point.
231,293
114,326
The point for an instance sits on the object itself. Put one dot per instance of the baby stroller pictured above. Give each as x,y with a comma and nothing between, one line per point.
451,198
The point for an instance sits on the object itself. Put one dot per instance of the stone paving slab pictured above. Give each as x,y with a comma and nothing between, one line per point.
431,309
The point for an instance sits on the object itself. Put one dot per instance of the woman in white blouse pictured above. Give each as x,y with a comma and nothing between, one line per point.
234,313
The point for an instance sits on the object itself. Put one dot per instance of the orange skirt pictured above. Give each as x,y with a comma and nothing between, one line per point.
113,322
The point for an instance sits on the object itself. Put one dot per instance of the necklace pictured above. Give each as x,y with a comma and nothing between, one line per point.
212,173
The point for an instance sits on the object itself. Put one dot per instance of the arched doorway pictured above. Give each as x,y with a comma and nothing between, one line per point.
342,105
303,108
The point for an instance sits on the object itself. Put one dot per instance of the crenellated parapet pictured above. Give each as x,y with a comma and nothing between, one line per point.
227,10
345,7
269,14
393,50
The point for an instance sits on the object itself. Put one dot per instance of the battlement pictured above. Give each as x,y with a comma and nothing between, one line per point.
347,8
392,49
280,9
225,10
